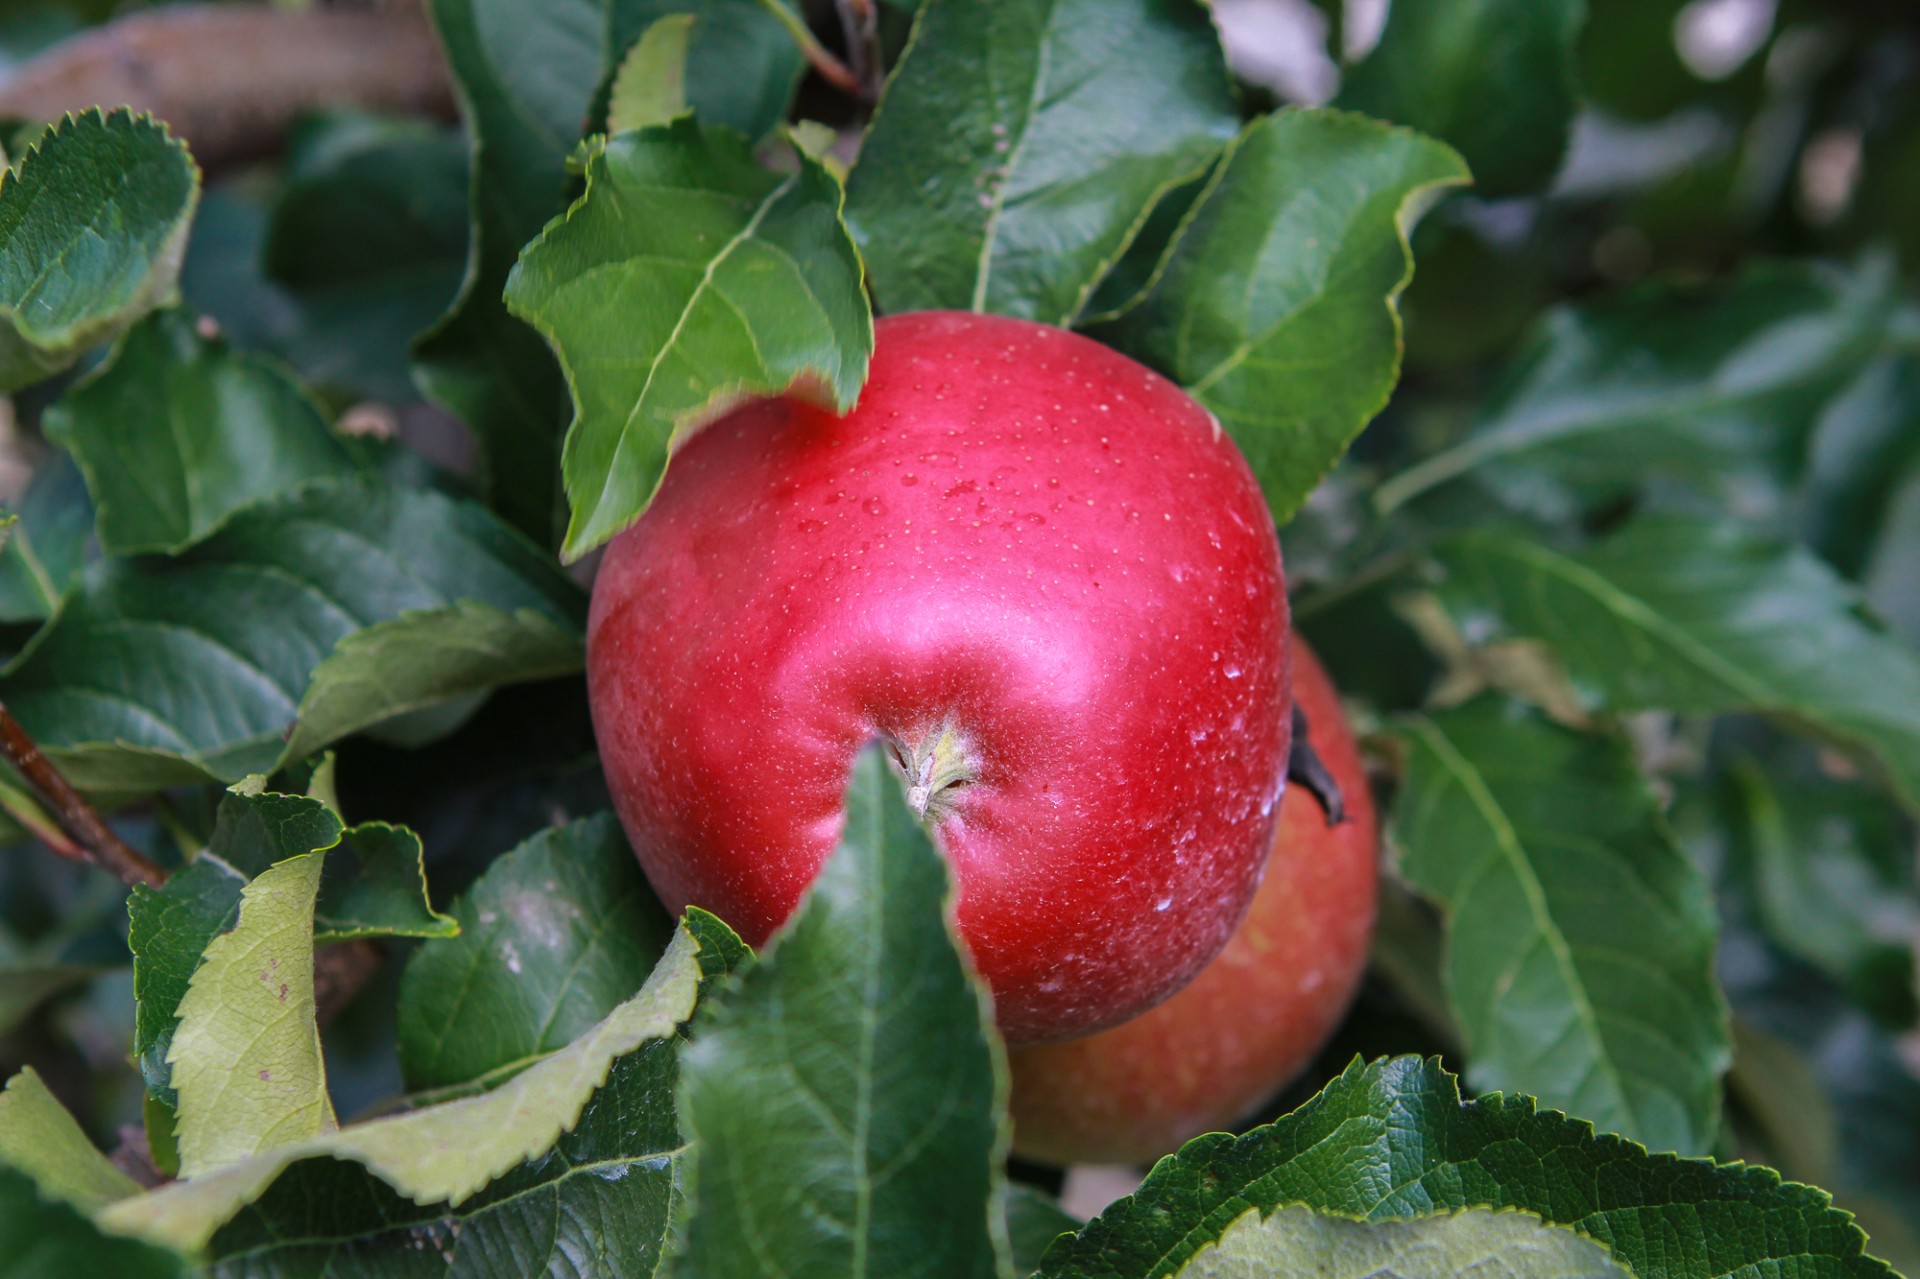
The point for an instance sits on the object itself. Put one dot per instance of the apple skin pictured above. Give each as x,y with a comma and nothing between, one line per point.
1254,1017
1032,566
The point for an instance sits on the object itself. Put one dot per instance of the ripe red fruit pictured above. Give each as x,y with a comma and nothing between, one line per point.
1255,1016
1036,569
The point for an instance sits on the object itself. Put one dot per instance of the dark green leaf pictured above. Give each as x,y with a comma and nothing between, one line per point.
1714,620
1831,875
1275,306
1493,79
526,71
1579,954
25,986
843,1102
171,926
1862,449
1033,1222
686,278
47,543
1393,1140
93,223
1716,386
168,670
552,938
369,235
741,67
598,1202
366,196
1021,143
40,1239
425,659
178,432
374,885
447,1153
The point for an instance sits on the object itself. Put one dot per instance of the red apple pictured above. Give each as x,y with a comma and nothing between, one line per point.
1036,569
1255,1016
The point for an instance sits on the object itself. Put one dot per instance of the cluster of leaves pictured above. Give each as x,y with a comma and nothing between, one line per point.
1609,575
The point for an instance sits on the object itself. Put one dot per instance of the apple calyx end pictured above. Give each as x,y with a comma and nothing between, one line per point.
936,764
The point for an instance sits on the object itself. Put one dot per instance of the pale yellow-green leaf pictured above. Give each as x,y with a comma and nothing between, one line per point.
651,85
1479,1243
442,1153
246,1058
39,1138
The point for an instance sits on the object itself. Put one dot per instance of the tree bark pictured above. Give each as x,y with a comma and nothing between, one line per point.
230,79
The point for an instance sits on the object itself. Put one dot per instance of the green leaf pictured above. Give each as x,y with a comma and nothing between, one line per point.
651,85
1713,385
844,1102
44,1240
369,237
179,432
1033,1222
428,658
39,1138
1275,306
1833,880
1580,938
161,671
605,1192
1296,1240
47,543
25,986
1715,620
171,926
444,1153
526,71
373,885
93,224
685,279
552,938
376,886
1021,144
1393,1140
367,196
741,64
246,1054
1493,79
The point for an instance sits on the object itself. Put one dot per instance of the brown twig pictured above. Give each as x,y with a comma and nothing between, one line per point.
231,78
339,971
860,21
82,823
827,66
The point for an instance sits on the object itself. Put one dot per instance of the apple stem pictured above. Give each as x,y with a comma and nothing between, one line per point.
935,765
1305,766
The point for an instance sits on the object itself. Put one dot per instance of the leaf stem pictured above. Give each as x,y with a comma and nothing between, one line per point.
819,57
860,21
340,971
92,838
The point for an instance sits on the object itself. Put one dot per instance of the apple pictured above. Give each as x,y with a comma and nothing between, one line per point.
1254,1017
1039,572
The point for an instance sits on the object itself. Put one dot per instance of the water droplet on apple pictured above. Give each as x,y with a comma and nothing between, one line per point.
873,506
